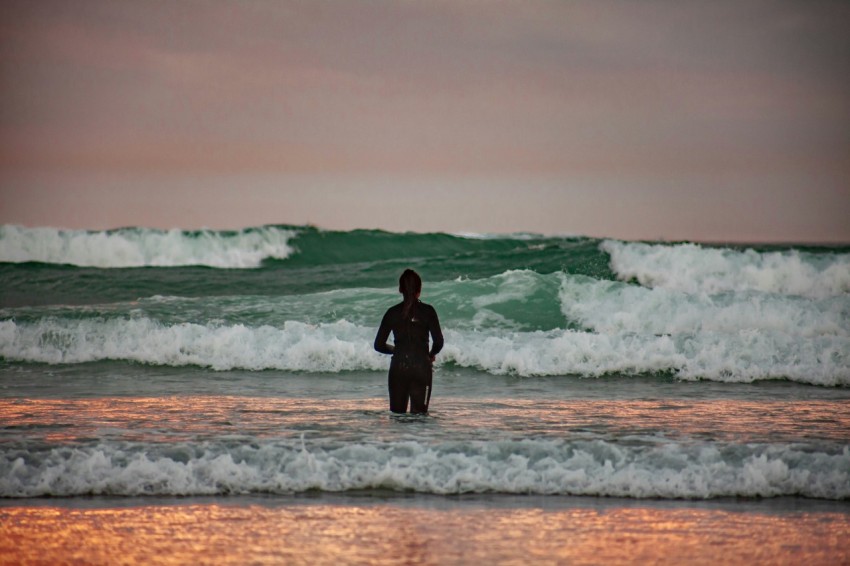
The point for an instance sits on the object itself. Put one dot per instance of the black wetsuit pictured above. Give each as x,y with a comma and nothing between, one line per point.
410,368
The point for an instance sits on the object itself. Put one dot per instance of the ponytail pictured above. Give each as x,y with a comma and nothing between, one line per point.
409,285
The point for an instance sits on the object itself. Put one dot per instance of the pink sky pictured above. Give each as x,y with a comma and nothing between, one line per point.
678,120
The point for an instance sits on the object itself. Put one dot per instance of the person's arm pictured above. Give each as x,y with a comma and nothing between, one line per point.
382,336
436,335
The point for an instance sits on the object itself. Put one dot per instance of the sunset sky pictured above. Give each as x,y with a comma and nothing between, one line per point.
679,120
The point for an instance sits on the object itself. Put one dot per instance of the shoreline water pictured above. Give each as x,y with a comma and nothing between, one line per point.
395,528
369,497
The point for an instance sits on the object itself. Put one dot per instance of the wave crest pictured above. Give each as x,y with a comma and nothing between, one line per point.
594,467
743,356
144,247
694,269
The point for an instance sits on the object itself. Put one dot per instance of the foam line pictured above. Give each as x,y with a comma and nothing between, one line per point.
742,356
597,467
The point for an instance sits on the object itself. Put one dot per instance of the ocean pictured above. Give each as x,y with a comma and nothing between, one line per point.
214,397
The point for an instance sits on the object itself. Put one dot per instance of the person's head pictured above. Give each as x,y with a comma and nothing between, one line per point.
410,285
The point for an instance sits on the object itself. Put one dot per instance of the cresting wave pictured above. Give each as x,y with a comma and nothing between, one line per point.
695,269
744,356
144,247
689,268
612,307
592,467
592,328
301,245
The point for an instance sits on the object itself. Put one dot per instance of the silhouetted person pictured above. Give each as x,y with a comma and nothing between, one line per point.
411,368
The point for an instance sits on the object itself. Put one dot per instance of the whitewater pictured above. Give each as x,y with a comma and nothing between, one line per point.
140,362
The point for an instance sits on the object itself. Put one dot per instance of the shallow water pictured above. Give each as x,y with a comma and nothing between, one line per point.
394,529
132,430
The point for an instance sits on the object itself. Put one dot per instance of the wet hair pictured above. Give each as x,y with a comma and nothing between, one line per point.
409,285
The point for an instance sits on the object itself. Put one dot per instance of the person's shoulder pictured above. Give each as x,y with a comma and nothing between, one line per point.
395,308
428,308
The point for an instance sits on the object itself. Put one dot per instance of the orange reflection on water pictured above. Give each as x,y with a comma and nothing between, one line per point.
720,419
177,418
187,418
445,533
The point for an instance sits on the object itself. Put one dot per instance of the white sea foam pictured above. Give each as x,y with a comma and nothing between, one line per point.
296,346
695,269
593,467
612,307
140,247
741,356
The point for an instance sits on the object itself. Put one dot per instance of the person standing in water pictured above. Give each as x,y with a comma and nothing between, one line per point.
411,368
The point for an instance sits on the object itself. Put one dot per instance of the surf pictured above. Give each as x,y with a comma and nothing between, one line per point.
693,268
144,247
529,466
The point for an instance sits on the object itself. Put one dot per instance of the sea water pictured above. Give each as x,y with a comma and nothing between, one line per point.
235,370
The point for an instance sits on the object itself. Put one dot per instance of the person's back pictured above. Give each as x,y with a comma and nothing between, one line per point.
411,323
410,334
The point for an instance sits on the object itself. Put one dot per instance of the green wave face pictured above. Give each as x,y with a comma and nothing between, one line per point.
308,260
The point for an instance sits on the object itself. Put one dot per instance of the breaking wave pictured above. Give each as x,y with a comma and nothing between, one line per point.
531,466
742,356
144,247
696,269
